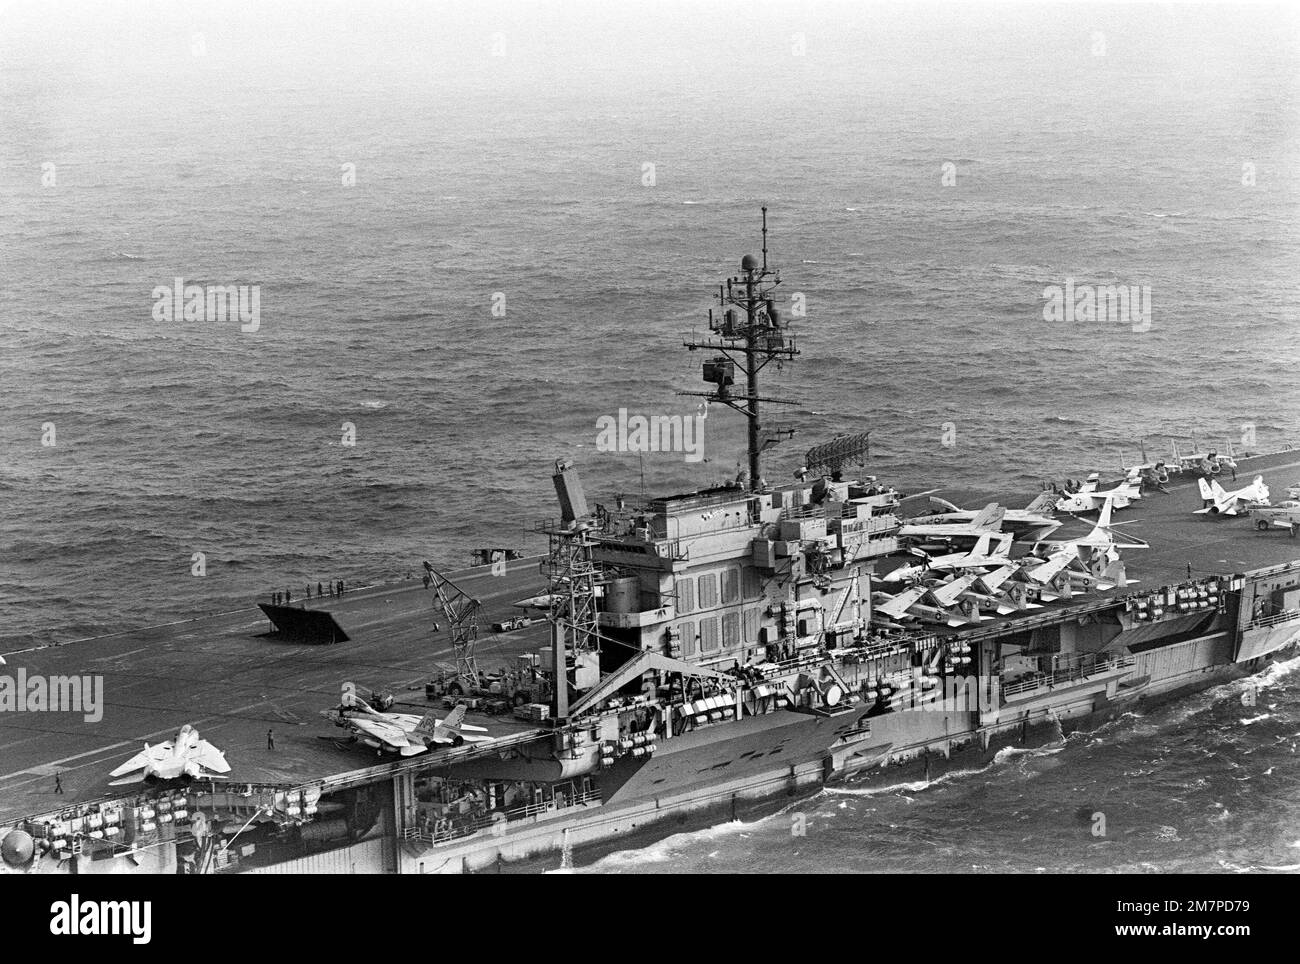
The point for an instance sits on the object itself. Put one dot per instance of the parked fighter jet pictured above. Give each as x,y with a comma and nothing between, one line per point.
998,591
984,555
1090,499
1090,560
938,604
185,758
988,519
1146,465
1219,502
1032,522
1101,539
1206,463
1067,570
404,733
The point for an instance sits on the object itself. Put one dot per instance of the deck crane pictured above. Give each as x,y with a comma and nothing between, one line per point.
462,611
518,684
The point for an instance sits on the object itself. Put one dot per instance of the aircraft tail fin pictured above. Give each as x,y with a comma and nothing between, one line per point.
1045,502
1206,491
1116,573
427,726
449,728
989,517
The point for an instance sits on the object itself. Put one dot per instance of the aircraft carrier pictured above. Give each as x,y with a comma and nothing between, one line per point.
702,654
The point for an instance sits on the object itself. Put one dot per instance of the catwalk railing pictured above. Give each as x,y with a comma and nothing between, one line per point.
1069,671
457,827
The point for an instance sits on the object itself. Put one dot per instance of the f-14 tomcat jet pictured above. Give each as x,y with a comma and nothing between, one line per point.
404,733
188,757
1219,502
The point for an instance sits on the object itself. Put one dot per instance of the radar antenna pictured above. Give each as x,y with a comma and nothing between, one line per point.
755,339
830,457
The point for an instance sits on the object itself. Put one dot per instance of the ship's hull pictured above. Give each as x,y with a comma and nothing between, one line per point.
747,768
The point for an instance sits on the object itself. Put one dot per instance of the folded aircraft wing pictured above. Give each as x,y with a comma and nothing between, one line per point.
996,578
897,607
1048,570
949,593
142,759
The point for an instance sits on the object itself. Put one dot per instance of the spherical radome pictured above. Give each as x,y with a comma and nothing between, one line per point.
17,848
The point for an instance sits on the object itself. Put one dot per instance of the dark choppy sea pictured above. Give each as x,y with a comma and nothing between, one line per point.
504,150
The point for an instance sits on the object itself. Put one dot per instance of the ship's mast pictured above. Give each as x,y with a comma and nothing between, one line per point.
754,341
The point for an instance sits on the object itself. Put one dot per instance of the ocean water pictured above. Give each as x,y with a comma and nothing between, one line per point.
501,150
